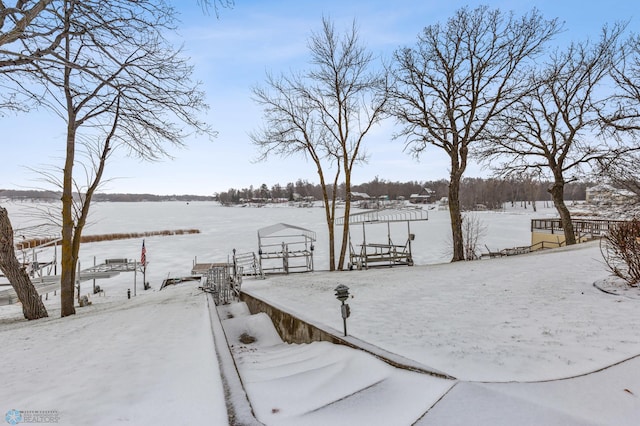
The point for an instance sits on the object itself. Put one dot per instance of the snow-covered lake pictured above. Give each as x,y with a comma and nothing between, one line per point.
223,229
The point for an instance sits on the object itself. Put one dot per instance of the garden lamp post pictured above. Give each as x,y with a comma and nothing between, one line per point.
342,294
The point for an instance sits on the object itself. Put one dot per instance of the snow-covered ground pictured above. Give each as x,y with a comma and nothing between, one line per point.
506,328
523,318
509,329
145,361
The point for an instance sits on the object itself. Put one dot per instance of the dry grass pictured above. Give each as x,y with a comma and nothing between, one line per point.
247,338
34,242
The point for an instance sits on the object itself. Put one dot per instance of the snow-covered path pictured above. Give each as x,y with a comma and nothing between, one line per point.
320,383
609,397
145,361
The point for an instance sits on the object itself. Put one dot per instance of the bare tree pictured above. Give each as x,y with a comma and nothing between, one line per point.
20,24
34,22
32,306
554,128
32,35
625,117
216,5
620,249
622,170
621,121
458,78
292,129
24,24
325,115
472,230
116,82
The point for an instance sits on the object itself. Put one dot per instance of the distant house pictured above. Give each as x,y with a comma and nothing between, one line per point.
299,197
606,194
359,196
425,196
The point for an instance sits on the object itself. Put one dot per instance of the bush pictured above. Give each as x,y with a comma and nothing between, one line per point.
472,230
621,251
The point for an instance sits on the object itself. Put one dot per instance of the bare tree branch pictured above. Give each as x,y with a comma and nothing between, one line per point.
117,83
459,77
555,127
624,117
324,114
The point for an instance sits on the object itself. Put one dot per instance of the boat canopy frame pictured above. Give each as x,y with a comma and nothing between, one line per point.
284,248
368,254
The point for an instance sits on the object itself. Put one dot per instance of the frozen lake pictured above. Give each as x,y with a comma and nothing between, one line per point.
223,229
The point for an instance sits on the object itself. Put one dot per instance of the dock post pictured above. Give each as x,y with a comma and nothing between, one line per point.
135,275
94,280
78,281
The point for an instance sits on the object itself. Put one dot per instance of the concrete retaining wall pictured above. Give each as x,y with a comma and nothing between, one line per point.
295,330
290,328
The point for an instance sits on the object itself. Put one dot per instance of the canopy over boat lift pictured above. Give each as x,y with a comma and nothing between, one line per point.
285,248
369,254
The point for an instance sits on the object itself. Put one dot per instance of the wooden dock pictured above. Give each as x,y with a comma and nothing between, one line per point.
202,268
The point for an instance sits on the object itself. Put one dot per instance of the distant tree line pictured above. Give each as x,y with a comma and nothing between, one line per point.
54,196
490,193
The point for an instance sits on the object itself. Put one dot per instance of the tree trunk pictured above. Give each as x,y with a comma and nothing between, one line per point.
32,306
557,194
330,227
456,217
67,259
329,209
345,228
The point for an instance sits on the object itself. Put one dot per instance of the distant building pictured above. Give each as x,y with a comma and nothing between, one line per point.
425,196
296,196
359,196
604,194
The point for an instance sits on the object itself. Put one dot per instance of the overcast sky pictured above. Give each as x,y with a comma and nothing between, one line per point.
233,53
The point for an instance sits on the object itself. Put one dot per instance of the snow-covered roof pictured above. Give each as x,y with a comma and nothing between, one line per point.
360,195
601,187
278,228
385,215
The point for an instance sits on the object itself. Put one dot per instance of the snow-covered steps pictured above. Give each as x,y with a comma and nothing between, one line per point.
320,382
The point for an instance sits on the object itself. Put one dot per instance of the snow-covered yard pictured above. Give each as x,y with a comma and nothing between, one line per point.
145,361
522,318
494,325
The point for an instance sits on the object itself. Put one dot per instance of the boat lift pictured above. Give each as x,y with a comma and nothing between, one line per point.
45,284
369,254
285,248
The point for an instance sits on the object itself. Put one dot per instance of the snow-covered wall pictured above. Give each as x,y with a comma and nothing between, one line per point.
290,328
